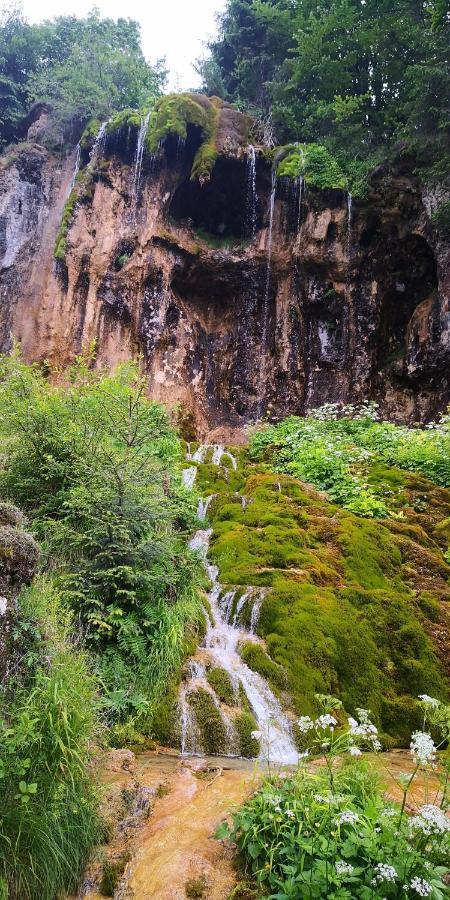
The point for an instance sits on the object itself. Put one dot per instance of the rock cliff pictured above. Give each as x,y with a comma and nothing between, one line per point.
243,294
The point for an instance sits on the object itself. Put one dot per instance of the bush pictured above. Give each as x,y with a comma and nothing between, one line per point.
330,832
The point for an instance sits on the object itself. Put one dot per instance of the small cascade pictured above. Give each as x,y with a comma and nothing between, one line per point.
98,146
188,477
218,453
138,159
181,144
221,648
203,506
265,319
252,197
76,168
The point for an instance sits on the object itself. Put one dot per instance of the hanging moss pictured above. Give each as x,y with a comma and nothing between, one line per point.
89,134
209,721
67,216
220,682
312,161
172,114
126,118
206,155
245,725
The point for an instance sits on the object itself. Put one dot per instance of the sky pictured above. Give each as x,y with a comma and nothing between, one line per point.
176,29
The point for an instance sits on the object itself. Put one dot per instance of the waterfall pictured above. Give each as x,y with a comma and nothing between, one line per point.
252,197
221,648
203,506
265,319
76,168
188,477
98,146
349,225
299,201
217,451
140,147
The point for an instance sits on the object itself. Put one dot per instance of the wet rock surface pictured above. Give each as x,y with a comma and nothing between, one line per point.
354,303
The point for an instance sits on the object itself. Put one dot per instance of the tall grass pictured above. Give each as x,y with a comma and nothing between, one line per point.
48,808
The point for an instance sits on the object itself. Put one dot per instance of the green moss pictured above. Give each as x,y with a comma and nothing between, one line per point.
195,888
209,721
112,872
205,158
126,118
220,682
67,216
245,724
257,659
89,134
165,723
314,162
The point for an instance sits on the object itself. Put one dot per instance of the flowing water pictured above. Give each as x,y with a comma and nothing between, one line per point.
252,197
265,317
98,146
76,168
221,648
142,134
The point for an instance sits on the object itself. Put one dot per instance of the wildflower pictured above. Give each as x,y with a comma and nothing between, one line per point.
343,868
430,820
422,748
354,751
326,721
421,887
290,814
384,872
429,701
256,735
347,817
305,723
319,798
303,755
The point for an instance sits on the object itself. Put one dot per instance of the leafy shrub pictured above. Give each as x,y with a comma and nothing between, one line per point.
315,163
330,832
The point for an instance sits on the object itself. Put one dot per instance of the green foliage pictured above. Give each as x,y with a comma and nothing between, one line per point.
172,115
314,163
354,77
246,728
67,216
48,819
441,218
97,466
258,660
331,833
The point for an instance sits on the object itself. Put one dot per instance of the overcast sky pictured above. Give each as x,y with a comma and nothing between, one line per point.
176,29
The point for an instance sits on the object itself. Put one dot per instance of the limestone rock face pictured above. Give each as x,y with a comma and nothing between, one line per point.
235,308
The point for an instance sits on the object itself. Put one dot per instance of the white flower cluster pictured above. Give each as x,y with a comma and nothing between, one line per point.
364,730
305,723
384,872
343,868
422,748
325,721
421,887
430,820
429,701
347,817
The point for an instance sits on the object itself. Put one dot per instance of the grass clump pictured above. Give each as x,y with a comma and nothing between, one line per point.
49,819
112,872
195,888
209,721
220,682
246,728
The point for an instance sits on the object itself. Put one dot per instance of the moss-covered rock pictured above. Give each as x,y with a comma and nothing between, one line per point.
220,682
311,161
67,216
245,725
209,721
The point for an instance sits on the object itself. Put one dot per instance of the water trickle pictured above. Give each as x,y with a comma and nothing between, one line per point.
138,159
76,168
252,197
98,146
349,225
218,452
256,609
265,319
188,477
203,506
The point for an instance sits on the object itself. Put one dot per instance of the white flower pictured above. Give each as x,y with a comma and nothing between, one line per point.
290,814
3,605
305,723
365,730
256,735
347,817
320,799
303,755
326,721
430,820
421,887
343,868
429,701
354,751
384,872
422,748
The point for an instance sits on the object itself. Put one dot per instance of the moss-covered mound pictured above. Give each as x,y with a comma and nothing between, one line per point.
353,606
311,161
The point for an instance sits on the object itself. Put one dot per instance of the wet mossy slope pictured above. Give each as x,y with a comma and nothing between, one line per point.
353,606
